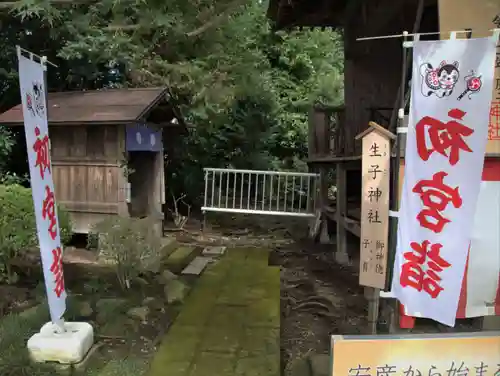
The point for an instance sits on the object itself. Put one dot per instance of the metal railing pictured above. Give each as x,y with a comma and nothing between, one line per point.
260,192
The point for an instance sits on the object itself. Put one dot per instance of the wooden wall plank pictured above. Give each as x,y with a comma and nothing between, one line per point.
480,17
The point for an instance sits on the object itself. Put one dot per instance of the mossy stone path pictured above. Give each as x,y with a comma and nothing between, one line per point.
229,324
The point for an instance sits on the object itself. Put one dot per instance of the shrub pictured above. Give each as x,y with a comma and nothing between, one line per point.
131,245
18,231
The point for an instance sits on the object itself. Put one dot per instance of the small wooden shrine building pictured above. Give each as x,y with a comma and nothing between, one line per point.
107,152
372,81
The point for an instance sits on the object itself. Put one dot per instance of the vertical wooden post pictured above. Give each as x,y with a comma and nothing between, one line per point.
311,135
123,210
376,145
341,256
372,295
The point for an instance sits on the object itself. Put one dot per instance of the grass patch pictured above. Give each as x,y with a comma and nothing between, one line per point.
122,367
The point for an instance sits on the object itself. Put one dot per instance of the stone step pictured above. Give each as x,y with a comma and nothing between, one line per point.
179,258
197,266
168,246
214,251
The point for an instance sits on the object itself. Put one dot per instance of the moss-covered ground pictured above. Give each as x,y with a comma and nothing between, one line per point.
229,325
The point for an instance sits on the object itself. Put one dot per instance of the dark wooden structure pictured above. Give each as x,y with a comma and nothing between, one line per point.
372,79
102,162
372,82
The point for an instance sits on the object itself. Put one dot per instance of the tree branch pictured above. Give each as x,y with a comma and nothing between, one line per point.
216,19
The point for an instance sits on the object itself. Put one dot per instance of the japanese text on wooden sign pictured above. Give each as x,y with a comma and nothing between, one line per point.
474,354
445,150
31,82
374,206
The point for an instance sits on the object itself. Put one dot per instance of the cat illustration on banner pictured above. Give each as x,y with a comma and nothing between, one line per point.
439,81
35,99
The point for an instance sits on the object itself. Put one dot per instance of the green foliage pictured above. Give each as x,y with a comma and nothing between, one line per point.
18,234
14,330
245,89
6,144
130,245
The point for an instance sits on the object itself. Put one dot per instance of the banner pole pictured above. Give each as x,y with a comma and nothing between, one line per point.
417,35
394,205
58,324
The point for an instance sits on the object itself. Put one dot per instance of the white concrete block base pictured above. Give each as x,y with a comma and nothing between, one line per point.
69,347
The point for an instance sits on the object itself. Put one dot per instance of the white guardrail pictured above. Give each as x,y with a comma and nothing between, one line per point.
260,192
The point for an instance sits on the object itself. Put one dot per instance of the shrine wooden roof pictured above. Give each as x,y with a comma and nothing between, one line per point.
110,106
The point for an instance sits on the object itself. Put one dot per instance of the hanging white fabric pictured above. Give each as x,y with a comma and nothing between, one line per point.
447,133
32,84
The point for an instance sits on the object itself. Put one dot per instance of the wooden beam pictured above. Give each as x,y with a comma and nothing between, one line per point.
333,159
382,17
351,225
13,4
416,28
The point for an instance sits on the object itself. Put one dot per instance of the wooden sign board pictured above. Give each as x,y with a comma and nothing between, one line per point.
414,354
479,16
376,143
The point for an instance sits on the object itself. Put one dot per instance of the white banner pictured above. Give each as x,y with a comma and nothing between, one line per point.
31,82
446,142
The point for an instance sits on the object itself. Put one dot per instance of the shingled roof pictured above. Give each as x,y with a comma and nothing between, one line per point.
110,106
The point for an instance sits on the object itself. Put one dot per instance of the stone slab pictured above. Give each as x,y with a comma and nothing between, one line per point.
197,266
179,258
214,251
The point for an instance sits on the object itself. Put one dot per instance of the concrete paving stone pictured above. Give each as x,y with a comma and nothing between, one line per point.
159,368
260,341
180,344
195,312
243,295
265,313
268,365
258,254
209,363
239,338
227,316
222,339
196,266
217,270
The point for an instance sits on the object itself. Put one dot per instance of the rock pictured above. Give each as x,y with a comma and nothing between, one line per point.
299,367
320,364
108,308
139,313
154,304
141,281
175,291
166,276
85,309
148,301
